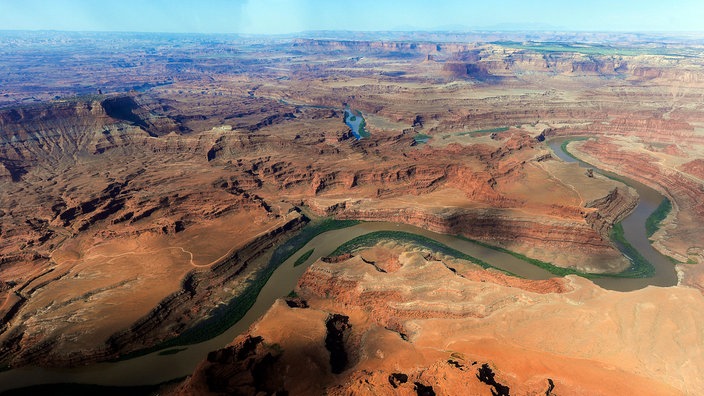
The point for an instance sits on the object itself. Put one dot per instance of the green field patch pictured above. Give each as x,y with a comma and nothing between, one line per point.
564,144
362,130
357,123
633,272
640,266
225,316
371,239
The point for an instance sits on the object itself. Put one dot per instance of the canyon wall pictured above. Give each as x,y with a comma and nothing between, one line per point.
433,323
129,197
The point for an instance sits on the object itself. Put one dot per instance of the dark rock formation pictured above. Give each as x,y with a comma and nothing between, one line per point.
296,302
486,375
418,122
243,369
396,379
551,387
423,390
336,325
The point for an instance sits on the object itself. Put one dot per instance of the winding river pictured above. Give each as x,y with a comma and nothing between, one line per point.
634,230
155,368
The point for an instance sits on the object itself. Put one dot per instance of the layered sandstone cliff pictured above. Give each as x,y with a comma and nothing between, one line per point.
430,323
167,189
111,203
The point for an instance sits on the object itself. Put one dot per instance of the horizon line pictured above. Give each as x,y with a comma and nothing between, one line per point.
479,30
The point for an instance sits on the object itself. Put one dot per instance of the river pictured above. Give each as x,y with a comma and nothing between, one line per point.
356,123
155,368
634,230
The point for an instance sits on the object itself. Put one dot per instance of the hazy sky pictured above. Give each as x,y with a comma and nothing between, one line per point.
282,16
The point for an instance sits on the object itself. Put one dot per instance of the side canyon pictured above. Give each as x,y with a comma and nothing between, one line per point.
137,212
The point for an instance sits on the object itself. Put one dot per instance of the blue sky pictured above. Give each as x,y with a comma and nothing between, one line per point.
288,16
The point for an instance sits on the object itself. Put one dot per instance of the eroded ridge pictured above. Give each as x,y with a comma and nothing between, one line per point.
152,197
419,327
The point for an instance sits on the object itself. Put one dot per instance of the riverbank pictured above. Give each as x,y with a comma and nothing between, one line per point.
632,241
157,367
405,316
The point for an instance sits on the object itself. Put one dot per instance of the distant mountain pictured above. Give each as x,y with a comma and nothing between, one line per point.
522,27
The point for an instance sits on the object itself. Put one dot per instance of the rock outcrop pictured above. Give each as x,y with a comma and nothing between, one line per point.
423,328
125,205
611,209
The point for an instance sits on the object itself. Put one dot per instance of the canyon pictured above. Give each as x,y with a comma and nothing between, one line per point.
432,322
159,200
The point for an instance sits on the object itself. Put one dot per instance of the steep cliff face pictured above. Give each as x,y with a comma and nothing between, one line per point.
570,63
588,243
201,293
198,297
482,62
50,133
125,199
648,170
534,224
668,73
650,129
399,48
116,207
610,210
475,71
28,134
677,235
151,191
433,323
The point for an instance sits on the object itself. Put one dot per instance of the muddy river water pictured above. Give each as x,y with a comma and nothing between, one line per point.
155,368
634,231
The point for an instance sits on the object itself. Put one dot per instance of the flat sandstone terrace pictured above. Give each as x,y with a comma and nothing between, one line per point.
151,185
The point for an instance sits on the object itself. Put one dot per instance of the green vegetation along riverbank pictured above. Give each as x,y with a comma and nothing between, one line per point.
652,223
226,315
553,269
640,267
372,238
